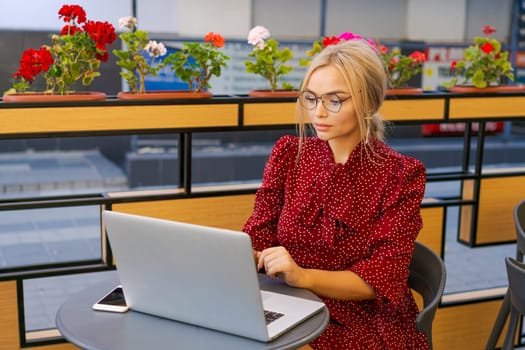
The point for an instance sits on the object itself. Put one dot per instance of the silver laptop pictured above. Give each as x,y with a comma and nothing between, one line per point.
199,275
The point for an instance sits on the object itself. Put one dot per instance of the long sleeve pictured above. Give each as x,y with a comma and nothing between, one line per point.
393,234
269,199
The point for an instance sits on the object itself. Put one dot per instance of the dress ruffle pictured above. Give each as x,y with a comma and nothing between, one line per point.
331,196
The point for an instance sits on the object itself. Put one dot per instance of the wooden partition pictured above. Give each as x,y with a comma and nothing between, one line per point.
432,233
424,109
64,346
465,326
115,117
269,113
467,212
9,335
498,198
229,212
487,107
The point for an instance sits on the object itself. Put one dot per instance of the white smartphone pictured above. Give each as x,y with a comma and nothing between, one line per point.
113,301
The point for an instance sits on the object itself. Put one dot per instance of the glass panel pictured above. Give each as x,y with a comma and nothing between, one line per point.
232,157
152,161
44,296
439,151
62,166
472,269
49,236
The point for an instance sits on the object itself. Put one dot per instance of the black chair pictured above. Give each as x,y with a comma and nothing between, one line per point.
516,276
427,277
519,222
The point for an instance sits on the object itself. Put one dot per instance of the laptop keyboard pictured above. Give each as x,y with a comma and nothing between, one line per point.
271,316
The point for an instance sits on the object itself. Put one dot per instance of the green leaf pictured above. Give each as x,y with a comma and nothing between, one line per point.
478,80
287,86
451,83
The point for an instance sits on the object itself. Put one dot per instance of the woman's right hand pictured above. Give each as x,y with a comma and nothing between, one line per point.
277,262
256,255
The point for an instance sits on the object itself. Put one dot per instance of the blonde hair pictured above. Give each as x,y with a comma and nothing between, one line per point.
364,74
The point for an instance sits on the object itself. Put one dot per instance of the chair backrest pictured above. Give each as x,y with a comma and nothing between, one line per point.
519,222
427,277
516,278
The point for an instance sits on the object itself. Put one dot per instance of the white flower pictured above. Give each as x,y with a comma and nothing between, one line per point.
257,36
155,49
127,22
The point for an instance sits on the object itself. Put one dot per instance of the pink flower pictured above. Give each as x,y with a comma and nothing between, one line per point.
257,36
371,42
349,36
127,22
155,49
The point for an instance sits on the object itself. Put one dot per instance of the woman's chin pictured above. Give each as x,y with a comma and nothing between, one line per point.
322,136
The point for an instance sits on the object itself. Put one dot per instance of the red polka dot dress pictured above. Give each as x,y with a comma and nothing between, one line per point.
362,216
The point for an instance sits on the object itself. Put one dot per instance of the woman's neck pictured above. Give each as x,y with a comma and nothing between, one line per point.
341,151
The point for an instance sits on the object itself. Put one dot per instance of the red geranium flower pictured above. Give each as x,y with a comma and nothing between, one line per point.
418,57
70,30
330,40
73,55
71,12
101,32
33,62
103,56
487,48
217,40
382,49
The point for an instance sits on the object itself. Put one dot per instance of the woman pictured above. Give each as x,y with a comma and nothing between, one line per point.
338,213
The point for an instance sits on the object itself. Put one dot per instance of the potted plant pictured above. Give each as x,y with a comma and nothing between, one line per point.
139,58
399,68
483,67
269,62
75,54
196,63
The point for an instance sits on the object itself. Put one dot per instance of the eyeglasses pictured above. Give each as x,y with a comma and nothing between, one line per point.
331,102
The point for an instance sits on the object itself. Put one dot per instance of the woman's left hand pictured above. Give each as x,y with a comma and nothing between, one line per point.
278,262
